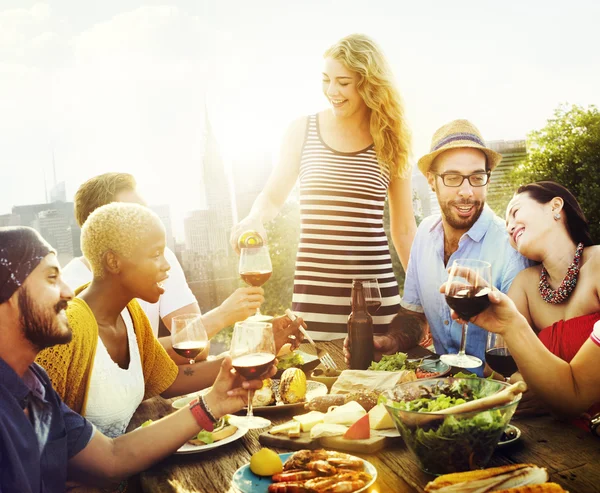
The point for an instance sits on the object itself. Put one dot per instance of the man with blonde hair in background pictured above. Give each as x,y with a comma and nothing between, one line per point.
177,299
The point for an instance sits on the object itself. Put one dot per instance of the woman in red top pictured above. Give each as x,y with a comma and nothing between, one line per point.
559,298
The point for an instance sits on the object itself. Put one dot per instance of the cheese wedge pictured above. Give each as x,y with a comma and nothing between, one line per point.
308,420
379,418
347,414
284,428
294,432
327,430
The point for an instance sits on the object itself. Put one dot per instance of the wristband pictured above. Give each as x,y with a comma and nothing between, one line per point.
201,416
207,410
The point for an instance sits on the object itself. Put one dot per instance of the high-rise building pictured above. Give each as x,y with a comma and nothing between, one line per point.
55,227
58,192
500,189
163,211
250,176
196,230
10,220
29,215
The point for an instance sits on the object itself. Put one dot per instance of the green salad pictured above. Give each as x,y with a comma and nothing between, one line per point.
455,443
394,362
290,360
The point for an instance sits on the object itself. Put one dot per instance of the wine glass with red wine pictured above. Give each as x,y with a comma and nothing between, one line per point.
498,357
255,269
467,292
188,336
252,353
372,295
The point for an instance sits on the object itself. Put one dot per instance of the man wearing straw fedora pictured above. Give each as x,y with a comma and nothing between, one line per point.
458,169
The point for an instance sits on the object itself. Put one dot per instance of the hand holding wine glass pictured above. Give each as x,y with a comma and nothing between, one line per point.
188,336
253,353
467,289
255,269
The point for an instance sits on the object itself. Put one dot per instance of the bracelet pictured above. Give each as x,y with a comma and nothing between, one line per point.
207,409
201,416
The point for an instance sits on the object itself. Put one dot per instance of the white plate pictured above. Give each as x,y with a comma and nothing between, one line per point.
246,481
513,439
313,389
184,401
188,448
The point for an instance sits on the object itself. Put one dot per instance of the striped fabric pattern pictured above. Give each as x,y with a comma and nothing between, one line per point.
342,197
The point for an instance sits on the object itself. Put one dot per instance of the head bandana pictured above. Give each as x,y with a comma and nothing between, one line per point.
21,250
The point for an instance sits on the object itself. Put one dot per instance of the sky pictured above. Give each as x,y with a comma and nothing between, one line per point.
123,85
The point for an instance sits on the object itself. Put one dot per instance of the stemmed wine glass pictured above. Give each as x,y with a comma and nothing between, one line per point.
255,269
372,295
467,294
252,353
188,336
498,357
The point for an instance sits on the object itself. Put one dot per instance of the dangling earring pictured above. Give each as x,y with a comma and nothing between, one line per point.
557,216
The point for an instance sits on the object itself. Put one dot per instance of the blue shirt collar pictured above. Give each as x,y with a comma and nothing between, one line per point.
18,386
477,231
13,383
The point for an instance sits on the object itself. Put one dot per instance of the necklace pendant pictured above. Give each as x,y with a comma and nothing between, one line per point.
562,293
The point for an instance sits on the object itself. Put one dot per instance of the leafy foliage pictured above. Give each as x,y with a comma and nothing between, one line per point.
567,150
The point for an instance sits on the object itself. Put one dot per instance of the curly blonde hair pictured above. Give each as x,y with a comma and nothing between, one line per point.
98,191
118,227
376,85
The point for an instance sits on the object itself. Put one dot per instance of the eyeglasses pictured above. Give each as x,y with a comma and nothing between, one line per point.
455,180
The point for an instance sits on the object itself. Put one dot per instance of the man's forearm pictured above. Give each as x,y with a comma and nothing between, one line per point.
407,329
192,378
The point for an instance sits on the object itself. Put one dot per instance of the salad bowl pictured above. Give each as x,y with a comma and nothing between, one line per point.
452,442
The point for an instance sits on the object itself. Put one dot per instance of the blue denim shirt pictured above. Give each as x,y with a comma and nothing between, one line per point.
486,240
34,450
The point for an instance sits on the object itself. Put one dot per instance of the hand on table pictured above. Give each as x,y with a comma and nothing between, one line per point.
229,393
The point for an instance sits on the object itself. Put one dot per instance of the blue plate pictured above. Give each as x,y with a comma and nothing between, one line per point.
245,481
435,366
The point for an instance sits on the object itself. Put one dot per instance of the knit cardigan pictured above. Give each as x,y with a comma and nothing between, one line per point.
70,365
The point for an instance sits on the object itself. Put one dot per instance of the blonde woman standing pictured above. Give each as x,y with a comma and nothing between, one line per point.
348,158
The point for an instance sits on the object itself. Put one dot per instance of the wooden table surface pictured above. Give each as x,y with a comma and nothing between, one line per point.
571,456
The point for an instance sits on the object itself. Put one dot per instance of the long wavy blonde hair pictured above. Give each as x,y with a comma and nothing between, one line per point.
376,85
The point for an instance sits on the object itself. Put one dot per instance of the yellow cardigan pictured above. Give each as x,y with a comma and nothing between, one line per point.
70,365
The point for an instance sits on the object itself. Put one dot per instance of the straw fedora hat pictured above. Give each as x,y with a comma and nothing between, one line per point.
457,133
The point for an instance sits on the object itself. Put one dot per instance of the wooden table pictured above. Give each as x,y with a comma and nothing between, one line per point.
571,456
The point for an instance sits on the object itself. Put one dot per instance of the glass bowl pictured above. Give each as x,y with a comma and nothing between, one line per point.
449,443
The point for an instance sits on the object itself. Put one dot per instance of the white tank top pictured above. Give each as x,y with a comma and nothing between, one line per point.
115,393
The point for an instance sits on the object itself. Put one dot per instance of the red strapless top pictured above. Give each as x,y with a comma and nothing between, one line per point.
564,339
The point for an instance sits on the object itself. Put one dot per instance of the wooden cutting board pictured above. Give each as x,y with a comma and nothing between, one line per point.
367,446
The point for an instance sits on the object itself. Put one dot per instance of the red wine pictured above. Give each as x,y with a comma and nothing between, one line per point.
189,349
469,301
254,365
255,278
501,361
373,306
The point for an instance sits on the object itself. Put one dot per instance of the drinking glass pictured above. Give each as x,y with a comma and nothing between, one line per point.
188,336
467,294
498,357
252,353
255,269
372,295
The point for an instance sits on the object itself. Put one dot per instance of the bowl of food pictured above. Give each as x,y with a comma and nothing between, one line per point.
327,376
443,441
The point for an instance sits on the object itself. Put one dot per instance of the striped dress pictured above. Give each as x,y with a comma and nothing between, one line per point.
342,196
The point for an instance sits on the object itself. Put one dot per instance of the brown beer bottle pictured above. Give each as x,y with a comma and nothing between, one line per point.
360,330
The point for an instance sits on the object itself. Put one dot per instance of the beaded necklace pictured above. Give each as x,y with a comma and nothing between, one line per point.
562,293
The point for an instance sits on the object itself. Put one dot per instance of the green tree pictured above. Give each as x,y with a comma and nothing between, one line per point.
567,150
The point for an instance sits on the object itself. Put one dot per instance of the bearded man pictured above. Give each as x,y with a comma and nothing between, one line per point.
40,437
458,169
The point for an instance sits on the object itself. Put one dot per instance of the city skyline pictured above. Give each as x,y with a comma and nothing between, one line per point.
124,85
